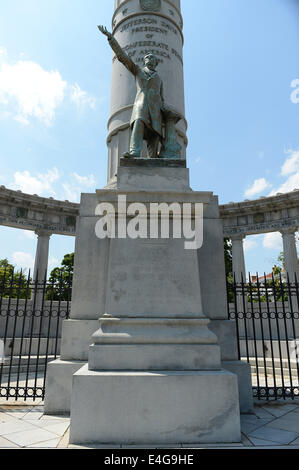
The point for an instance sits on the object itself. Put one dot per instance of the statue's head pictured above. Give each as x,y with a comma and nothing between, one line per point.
150,61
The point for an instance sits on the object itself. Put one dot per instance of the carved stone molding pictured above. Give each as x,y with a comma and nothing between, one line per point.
274,214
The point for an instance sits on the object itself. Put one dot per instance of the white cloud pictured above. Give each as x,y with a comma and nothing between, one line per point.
41,184
77,185
71,193
81,97
22,120
289,185
3,52
29,234
50,183
290,168
28,91
273,241
87,181
31,91
249,244
23,260
291,165
258,186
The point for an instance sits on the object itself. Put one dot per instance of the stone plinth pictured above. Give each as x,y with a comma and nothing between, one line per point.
154,372
154,344
91,299
153,178
159,311
151,163
154,407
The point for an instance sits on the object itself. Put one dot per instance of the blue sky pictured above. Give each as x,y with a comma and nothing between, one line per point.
241,58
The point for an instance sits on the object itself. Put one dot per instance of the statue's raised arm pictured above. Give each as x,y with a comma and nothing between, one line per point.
120,54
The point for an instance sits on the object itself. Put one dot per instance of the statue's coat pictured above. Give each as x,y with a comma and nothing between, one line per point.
149,98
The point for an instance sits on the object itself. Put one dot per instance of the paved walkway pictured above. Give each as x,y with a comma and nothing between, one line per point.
274,425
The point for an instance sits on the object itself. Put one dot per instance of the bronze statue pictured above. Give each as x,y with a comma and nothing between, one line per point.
149,107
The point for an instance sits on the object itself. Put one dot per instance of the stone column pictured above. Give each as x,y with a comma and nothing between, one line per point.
239,272
291,264
41,255
238,257
142,26
40,266
290,253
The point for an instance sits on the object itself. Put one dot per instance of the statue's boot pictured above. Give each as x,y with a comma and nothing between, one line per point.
131,155
136,141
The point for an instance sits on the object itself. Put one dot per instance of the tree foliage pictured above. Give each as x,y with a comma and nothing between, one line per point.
61,280
14,284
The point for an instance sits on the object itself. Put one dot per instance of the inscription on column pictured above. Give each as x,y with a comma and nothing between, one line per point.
151,26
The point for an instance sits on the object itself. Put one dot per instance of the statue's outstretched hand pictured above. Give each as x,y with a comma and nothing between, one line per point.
104,30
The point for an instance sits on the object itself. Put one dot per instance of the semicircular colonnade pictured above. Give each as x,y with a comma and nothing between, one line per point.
47,217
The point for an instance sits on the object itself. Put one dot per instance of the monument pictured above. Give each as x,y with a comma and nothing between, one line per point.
148,355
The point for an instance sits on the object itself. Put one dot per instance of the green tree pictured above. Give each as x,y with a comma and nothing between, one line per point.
61,280
276,270
14,283
280,262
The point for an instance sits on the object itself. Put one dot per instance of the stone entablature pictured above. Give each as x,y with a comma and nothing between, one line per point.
36,213
271,214
267,214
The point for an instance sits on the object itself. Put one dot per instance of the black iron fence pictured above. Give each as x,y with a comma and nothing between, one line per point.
31,315
266,313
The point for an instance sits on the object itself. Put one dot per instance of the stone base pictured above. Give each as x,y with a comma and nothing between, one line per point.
243,372
154,357
59,386
152,162
76,338
154,407
152,178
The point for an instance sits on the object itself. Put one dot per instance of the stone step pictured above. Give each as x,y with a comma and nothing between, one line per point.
278,364
34,345
21,366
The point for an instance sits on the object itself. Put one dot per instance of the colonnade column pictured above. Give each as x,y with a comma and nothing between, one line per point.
40,266
239,273
41,255
239,269
290,253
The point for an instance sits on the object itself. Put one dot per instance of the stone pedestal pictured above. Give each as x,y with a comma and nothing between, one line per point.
148,408
146,293
154,372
